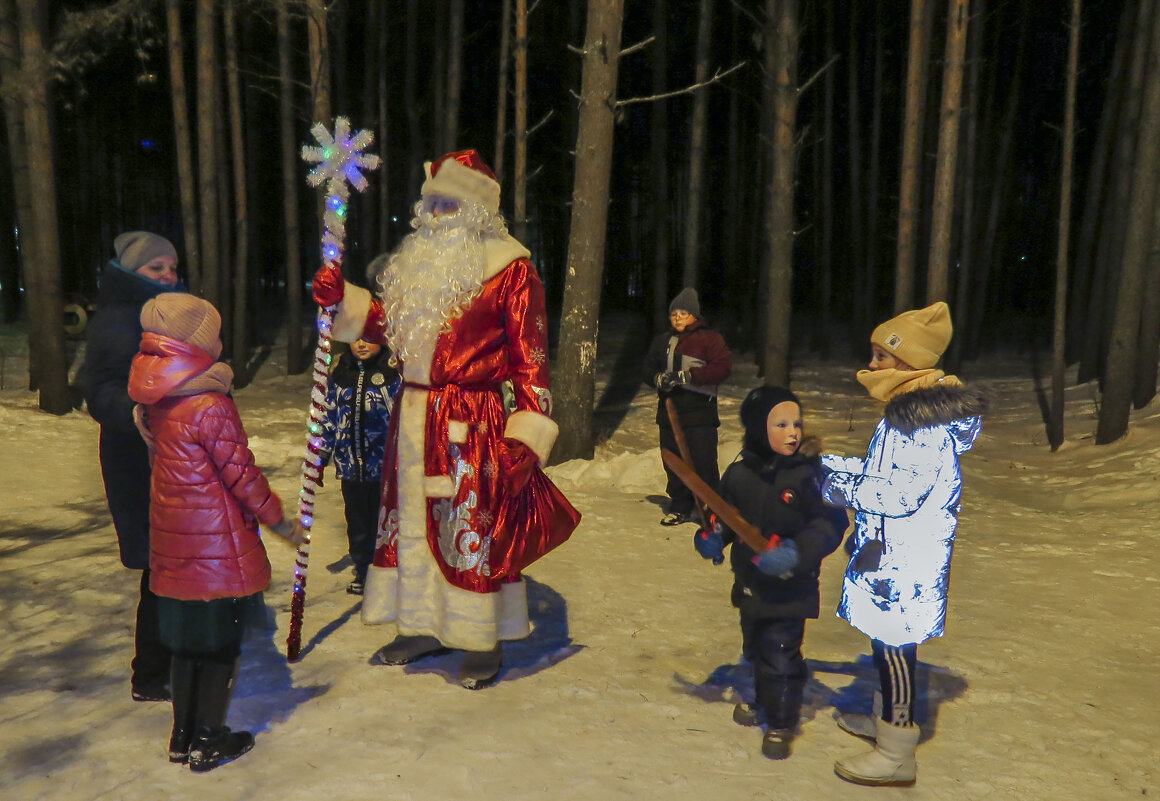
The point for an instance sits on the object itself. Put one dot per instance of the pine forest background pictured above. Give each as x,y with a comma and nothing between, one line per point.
810,166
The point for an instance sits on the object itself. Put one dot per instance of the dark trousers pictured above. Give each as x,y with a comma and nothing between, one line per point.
896,673
362,500
150,664
702,442
774,646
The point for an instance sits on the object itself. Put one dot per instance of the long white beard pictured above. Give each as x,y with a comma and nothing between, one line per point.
432,277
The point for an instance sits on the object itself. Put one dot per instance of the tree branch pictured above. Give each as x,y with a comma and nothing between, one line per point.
638,46
818,74
717,76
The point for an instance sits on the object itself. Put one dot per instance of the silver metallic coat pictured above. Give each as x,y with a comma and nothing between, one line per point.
905,494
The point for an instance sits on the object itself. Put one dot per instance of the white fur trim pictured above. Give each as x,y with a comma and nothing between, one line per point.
416,595
456,431
351,316
458,182
438,486
500,253
380,601
537,431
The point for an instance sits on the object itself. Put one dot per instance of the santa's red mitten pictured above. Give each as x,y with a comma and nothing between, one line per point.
516,462
328,285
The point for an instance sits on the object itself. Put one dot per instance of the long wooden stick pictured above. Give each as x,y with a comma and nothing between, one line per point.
683,447
748,532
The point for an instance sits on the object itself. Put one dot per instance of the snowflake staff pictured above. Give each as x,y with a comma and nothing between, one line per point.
340,162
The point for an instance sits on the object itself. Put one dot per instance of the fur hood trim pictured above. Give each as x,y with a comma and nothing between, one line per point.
931,406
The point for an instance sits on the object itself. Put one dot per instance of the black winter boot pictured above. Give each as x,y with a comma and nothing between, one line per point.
213,742
183,681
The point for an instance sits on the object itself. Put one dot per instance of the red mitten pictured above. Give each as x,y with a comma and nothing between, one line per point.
516,461
328,285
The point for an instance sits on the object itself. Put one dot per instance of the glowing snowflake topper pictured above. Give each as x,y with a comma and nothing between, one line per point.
339,158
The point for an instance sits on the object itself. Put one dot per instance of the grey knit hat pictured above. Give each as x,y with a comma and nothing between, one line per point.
135,249
686,300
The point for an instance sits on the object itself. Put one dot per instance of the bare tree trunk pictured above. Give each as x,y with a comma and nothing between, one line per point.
1115,408
697,137
241,213
384,133
295,342
970,157
980,278
826,253
1055,433
454,80
1099,180
520,183
854,241
909,185
1109,249
576,376
12,98
183,144
319,44
870,282
659,169
781,37
46,350
206,166
1148,352
501,99
415,140
938,262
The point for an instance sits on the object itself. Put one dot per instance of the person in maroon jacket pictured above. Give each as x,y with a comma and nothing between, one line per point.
687,363
206,558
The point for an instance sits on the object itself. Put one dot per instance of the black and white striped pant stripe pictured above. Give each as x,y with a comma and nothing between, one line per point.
896,666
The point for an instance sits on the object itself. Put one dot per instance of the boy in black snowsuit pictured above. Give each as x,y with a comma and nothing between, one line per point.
774,484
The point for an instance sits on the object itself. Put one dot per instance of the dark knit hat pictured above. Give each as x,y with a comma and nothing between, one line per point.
135,249
755,411
185,317
686,299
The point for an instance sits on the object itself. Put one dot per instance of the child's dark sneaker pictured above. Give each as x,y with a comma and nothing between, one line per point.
356,587
745,715
215,747
775,743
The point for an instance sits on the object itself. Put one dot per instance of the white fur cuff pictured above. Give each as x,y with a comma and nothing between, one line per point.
537,431
351,317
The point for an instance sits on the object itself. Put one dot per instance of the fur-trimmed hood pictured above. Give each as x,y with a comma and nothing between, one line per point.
935,405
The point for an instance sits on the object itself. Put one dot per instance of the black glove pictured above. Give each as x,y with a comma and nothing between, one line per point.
673,378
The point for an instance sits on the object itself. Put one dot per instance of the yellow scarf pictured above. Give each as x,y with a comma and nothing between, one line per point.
885,384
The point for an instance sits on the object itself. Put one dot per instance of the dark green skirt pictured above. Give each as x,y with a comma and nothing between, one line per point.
195,627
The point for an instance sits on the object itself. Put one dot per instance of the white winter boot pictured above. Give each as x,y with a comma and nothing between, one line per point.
862,725
890,763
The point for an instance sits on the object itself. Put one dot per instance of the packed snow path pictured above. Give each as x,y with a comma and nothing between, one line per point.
1045,686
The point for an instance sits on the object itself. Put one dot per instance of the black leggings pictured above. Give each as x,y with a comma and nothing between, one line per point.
896,674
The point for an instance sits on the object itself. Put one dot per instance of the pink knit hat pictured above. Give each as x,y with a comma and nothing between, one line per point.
185,317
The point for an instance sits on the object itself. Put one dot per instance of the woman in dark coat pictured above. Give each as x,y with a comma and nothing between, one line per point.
145,266
775,485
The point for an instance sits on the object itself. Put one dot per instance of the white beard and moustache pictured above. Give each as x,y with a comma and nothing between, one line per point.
433,276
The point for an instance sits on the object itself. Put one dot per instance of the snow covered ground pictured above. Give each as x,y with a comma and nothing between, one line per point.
1045,686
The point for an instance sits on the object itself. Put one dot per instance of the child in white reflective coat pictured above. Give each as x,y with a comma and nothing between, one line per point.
905,494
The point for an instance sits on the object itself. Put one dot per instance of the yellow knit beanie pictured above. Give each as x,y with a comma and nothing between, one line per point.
185,317
917,337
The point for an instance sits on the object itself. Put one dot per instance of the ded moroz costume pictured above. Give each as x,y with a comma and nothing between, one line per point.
465,504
